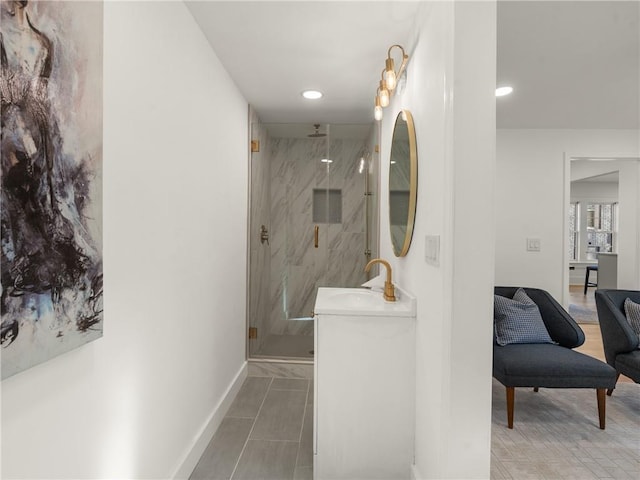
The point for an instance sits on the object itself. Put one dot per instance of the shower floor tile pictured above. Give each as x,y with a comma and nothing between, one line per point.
297,346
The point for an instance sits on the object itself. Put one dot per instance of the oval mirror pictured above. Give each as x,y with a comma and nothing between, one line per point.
403,183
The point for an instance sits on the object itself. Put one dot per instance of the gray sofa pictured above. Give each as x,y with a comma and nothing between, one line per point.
618,338
550,365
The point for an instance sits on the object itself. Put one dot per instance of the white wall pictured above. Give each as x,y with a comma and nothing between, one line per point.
449,90
601,192
585,193
530,201
132,404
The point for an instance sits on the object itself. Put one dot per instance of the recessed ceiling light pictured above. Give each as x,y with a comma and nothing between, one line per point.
502,91
326,160
312,94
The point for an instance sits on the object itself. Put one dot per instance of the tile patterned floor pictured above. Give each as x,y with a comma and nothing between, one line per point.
267,433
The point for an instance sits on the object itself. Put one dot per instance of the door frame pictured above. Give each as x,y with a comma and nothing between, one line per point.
566,198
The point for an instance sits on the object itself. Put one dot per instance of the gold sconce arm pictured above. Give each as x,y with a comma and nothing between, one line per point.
389,80
390,76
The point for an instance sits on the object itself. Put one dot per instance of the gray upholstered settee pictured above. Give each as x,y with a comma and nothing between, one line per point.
619,340
550,365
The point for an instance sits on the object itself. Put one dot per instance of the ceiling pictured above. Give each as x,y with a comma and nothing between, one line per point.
572,64
275,50
604,178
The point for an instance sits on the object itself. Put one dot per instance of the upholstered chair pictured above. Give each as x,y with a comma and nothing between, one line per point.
620,341
551,364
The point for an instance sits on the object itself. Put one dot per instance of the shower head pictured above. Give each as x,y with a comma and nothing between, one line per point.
317,133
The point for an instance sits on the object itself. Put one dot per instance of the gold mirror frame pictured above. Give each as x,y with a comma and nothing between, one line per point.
403,173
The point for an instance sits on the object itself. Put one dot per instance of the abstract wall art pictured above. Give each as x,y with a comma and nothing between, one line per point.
51,190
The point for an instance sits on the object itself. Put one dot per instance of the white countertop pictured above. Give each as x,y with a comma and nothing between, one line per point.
363,302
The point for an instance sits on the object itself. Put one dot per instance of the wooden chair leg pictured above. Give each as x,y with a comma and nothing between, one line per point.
610,390
535,389
602,400
511,391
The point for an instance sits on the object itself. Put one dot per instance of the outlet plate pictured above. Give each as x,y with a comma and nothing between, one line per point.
533,244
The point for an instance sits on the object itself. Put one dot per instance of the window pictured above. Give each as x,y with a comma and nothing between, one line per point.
601,228
574,230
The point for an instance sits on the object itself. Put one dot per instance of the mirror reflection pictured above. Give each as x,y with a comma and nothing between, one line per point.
403,174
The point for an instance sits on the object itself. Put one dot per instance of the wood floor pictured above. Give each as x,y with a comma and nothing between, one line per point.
593,338
556,435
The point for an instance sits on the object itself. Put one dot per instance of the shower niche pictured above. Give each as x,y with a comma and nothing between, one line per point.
327,205
314,187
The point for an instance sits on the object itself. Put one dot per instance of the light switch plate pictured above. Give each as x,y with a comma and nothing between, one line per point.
533,244
432,250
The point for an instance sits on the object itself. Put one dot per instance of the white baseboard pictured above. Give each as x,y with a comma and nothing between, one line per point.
209,427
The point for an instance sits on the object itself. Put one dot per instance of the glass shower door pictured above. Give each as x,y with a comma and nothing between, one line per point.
299,198
308,196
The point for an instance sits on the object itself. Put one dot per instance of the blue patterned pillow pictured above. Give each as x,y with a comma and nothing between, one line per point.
518,320
632,311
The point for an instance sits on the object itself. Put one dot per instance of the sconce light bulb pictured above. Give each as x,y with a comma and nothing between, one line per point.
384,98
377,111
383,94
390,74
390,79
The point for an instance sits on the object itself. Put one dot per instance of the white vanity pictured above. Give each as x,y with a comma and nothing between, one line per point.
364,396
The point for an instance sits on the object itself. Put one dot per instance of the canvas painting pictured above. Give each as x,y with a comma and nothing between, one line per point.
51,154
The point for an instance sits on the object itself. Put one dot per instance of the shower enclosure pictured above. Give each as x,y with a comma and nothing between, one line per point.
313,223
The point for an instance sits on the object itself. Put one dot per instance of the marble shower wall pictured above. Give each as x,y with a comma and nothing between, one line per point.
260,254
297,268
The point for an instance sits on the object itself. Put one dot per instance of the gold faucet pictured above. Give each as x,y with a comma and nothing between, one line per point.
389,292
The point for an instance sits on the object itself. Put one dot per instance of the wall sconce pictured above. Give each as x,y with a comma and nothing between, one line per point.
377,111
383,94
389,81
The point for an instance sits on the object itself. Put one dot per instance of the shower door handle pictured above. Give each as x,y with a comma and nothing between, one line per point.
264,234
316,232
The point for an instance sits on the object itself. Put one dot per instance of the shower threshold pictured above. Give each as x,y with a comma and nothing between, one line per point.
287,347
